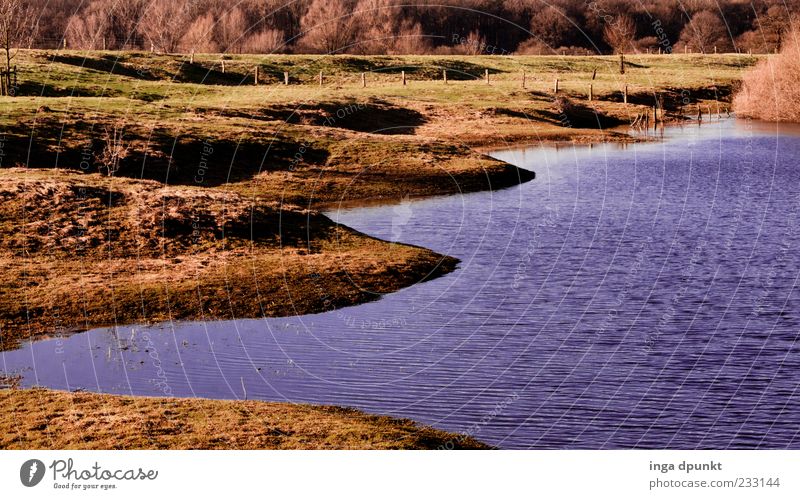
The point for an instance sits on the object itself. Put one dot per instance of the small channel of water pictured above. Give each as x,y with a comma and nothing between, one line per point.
630,296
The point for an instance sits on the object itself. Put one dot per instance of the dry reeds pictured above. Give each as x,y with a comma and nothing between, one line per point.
770,91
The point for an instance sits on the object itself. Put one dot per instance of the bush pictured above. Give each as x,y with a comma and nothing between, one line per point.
770,90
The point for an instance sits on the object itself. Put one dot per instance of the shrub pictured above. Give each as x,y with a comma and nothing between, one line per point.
267,41
770,91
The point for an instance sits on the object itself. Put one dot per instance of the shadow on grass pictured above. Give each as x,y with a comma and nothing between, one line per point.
375,116
31,88
106,64
158,155
672,99
567,113
203,75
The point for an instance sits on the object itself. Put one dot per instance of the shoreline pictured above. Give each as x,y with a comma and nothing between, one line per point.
158,238
86,420
420,437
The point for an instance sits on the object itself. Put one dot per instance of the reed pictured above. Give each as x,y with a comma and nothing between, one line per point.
769,91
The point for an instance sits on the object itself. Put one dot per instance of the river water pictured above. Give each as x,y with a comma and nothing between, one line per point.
638,296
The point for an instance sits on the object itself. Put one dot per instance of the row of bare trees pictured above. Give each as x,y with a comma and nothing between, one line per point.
414,26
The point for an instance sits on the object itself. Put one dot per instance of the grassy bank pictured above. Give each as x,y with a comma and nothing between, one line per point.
87,250
213,208
212,212
46,419
167,99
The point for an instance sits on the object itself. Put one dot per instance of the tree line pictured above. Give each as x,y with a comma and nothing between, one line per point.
413,26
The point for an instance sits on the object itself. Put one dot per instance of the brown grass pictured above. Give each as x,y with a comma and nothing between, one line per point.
89,250
46,419
152,243
770,91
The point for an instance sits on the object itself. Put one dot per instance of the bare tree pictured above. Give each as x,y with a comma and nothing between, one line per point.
411,39
17,27
126,17
164,22
231,30
473,44
200,35
704,31
264,42
376,22
88,30
620,33
375,26
115,148
551,27
329,26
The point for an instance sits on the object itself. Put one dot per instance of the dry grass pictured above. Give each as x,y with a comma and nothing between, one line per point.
212,211
770,91
45,419
181,233
89,250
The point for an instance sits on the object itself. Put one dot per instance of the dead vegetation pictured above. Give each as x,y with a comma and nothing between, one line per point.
770,91
44,419
212,208
90,250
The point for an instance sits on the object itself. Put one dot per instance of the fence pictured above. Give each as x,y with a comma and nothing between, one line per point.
257,75
8,81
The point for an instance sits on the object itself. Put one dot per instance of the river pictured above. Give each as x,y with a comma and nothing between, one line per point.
632,296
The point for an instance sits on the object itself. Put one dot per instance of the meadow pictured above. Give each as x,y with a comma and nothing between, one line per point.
141,188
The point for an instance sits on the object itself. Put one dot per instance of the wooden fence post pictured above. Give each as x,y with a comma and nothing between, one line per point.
486,72
594,73
191,58
403,75
625,95
285,77
555,87
320,78
523,79
363,80
444,76
622,64
255,76
591,92
223,66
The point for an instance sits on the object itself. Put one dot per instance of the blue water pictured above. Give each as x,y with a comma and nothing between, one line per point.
639,296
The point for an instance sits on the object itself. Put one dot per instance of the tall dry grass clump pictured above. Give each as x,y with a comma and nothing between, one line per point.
770,91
